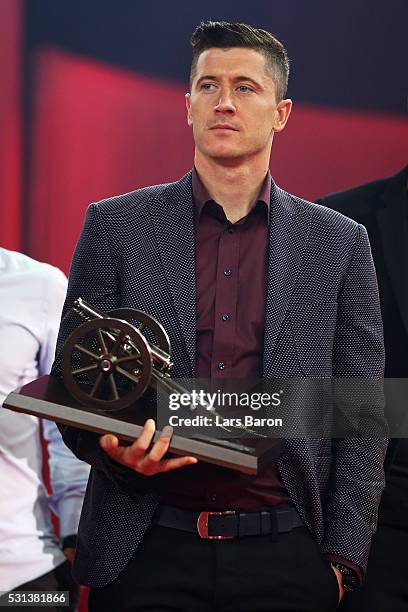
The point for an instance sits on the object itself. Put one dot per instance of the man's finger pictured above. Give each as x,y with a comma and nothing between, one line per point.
145,438
129,455
109,442
110,445
161,445
137,450
172,464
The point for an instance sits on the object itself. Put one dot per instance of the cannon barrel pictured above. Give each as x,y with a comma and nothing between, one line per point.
160,358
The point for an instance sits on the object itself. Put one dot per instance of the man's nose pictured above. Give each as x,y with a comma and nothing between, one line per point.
225,103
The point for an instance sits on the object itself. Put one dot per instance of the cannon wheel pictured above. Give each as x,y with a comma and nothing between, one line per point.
143,321
113,364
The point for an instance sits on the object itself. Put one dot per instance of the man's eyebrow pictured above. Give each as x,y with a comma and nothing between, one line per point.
247,78
206,77
210,77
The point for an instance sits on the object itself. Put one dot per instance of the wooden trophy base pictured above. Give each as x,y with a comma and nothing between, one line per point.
48,398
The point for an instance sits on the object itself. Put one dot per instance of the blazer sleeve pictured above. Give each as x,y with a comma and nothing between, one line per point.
357,476
94,276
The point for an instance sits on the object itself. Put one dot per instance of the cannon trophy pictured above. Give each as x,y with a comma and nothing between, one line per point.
108,363
110,360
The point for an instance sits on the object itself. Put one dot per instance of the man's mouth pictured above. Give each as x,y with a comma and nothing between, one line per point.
223,126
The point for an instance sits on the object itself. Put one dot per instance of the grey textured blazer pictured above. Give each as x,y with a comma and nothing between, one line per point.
322,318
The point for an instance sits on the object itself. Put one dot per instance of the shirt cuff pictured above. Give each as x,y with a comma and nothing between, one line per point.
356,568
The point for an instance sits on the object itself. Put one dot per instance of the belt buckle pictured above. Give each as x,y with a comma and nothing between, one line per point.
202,526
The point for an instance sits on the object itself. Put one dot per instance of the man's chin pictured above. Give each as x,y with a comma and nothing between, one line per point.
225,155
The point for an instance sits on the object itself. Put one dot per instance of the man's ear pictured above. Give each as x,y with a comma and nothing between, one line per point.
282,113
188,106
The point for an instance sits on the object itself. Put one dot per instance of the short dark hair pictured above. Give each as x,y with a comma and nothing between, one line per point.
224,35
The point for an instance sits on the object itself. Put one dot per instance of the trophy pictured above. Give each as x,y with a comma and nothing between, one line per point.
111,361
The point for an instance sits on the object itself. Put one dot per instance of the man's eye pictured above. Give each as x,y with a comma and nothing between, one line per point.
244,88
207,86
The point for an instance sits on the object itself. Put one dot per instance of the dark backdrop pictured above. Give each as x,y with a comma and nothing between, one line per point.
93,104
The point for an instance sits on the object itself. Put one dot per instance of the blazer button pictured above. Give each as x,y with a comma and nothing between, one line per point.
221,365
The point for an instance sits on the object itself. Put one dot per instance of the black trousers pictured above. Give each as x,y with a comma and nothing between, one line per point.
177,571
59,579
385,588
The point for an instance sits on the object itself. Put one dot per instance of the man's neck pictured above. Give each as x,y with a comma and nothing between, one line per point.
235,188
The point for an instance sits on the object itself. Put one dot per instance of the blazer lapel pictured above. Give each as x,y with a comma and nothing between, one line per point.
173,221
288,234
393,227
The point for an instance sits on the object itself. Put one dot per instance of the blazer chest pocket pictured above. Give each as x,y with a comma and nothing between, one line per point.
313,327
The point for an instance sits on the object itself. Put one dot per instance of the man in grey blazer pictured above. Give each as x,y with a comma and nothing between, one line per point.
247,280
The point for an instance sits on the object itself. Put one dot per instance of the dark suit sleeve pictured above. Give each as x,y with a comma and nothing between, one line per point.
95,277
351,507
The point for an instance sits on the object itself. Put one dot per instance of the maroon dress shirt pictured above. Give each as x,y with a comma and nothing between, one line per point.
231,285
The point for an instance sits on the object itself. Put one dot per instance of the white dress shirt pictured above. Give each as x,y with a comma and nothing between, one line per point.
31,300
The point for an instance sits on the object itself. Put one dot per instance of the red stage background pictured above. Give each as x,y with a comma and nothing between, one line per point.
10,124
100,131
91,130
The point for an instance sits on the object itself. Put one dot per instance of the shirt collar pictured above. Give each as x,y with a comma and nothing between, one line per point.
201,195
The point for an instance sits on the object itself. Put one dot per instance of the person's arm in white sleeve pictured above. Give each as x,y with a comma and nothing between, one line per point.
54,290
68,474
69,477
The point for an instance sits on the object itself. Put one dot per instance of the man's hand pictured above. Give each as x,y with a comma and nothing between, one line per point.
70,554
340,581
136,456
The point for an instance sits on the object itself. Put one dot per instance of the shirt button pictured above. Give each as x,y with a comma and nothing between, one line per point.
221,365
213,497
230,230
227,272
225,317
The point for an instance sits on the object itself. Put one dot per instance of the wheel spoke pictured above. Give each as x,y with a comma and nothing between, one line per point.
141,327
96,384
113,387
84,350
108,335
128,358
127,375
87,368
102,341
117,344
